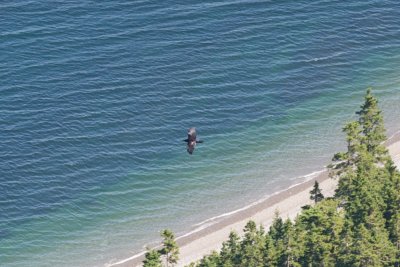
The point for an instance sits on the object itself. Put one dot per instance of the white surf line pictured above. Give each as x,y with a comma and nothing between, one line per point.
307,177
125,260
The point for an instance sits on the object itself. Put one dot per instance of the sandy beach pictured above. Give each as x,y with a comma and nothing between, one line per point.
288,203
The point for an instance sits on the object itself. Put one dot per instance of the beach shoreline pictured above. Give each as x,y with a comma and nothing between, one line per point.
212,232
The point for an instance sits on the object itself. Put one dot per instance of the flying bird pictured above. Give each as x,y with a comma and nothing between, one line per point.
191,140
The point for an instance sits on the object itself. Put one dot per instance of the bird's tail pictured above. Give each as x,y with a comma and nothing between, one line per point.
199,141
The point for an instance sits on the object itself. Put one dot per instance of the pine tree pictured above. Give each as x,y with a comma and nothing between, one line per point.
344,256
170,248
289,247
391,196
316,194
252,246
152,259
271,254
276,230
365,147
371,121
371,247
321,226
276,235
344,162
282,248
212,260
230,252
365,207
394,230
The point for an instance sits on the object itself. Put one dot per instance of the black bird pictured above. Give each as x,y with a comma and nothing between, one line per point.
191,140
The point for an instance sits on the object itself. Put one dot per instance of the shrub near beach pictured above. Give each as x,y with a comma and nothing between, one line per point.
169,252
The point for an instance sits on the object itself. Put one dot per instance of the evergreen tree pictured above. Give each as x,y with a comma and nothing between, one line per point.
271,254
344,256
230,252
252,246
276,235
344,162
369,248
391,196
371,121
152,259
288,247
362,186
170,248
364,143
277,229
345,186
316,194
321,226
354,140
212,260
282,248
394,229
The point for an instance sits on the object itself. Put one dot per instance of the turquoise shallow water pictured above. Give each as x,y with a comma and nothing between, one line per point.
96,98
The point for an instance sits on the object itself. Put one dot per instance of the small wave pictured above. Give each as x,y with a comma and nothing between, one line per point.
324,58
125,260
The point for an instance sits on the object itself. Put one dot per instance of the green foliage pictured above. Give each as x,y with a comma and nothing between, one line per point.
316,194
286,247
212,260
252,245
230,252
277,229
365,247
152,259
371,120
170,248
343,162
320,226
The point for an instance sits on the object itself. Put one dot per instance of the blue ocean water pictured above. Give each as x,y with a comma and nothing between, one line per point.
96,98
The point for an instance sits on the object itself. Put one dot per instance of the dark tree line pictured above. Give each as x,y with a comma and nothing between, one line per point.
359,226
